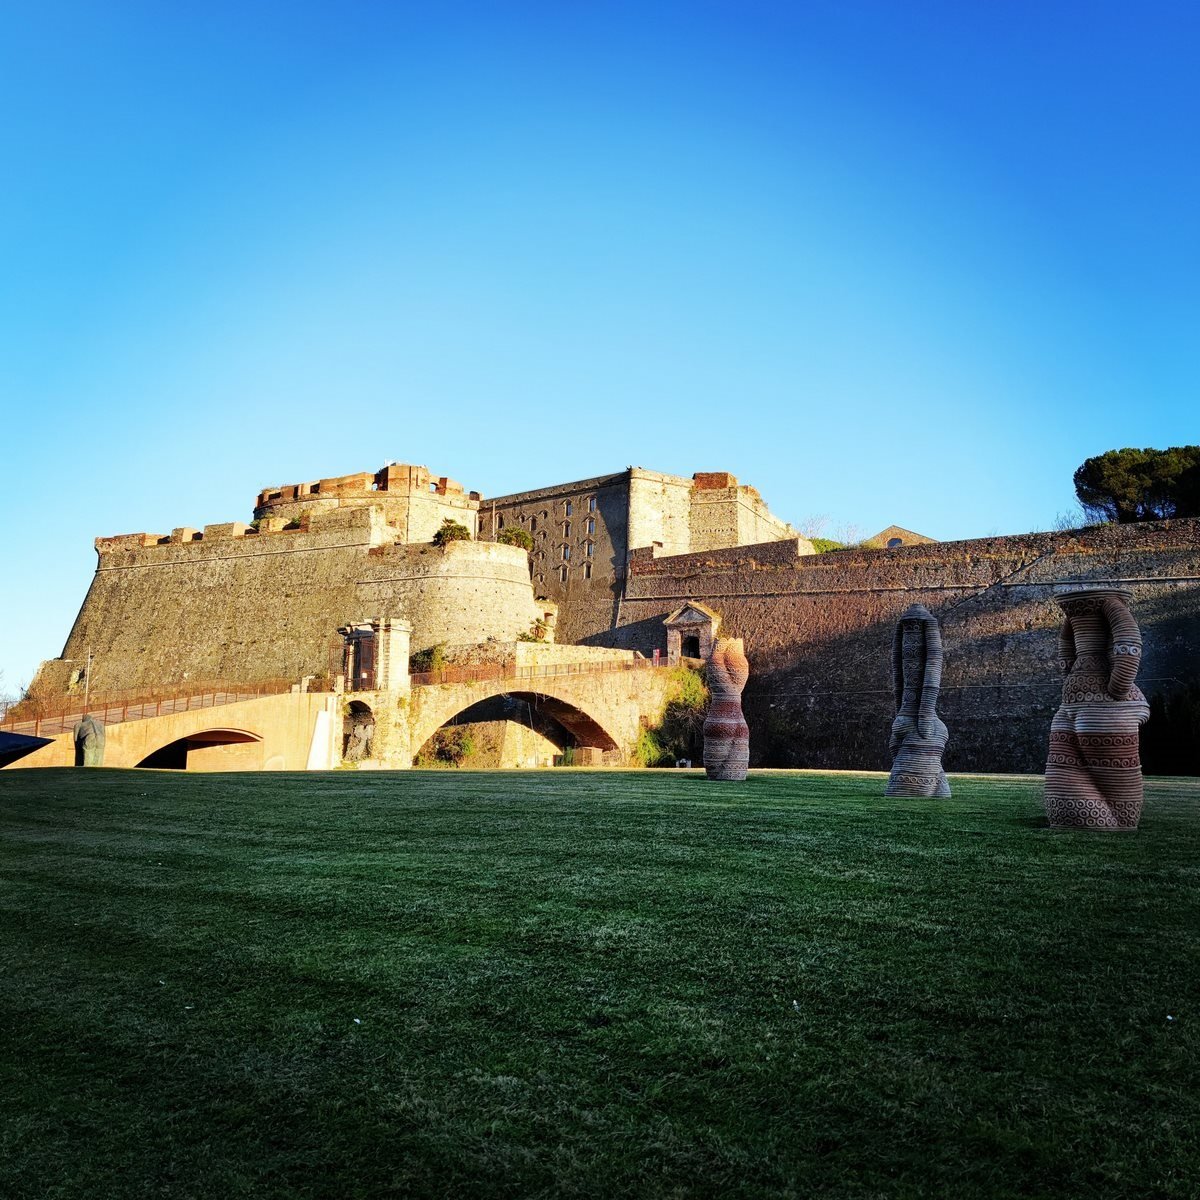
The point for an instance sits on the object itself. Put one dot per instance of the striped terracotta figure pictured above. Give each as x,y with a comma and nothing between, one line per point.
1093,772
726,736
918,734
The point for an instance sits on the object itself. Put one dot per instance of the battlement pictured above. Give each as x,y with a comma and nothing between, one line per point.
394,479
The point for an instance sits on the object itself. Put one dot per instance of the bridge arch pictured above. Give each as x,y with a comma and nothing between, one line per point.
580,727
217,749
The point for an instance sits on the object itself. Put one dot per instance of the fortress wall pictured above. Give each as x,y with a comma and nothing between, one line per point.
818,631
267,605
659,510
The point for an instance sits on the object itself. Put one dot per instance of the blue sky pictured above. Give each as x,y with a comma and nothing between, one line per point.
888,262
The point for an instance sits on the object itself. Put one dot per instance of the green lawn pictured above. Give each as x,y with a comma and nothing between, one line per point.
591,984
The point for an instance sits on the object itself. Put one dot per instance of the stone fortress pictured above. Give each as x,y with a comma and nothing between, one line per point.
620,565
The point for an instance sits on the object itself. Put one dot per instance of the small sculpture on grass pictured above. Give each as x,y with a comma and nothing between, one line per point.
89,742
1093,770
726,735
919,735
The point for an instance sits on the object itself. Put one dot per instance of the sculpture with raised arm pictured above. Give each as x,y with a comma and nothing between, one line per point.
918,734
726,735
1093,771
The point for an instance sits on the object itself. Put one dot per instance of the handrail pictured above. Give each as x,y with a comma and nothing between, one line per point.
494,671
133,705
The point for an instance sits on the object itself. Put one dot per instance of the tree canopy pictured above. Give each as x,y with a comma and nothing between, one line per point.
1140,485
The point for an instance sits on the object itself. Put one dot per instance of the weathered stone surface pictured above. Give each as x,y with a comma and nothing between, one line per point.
918,734
1093,771
89,742
726,735
817,629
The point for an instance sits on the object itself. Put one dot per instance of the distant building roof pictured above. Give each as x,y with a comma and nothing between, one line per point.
896,535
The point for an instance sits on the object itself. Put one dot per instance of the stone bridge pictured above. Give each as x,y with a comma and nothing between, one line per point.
601,706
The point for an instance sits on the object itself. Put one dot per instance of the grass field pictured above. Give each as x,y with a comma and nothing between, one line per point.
591,984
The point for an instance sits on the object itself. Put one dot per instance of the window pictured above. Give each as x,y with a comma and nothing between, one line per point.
591,504
566,553
591,526
589,548
562,574
501,522
533,524
894,543
566,529
567,510
587,570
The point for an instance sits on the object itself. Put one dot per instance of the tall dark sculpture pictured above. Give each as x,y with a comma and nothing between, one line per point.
89,742
726,735
918,734
1093,771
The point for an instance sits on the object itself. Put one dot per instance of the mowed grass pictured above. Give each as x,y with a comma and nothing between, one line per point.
591,984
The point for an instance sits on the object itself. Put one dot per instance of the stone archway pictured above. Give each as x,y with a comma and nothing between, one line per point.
209,750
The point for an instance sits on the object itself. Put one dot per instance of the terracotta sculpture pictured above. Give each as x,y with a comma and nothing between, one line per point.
918,734
726,736
89,742
1093,772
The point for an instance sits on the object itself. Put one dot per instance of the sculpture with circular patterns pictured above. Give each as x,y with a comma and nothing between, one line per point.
1093,771
726,735
919,735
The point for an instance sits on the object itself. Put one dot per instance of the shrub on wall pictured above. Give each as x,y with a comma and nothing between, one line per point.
432,659
514,535
451,531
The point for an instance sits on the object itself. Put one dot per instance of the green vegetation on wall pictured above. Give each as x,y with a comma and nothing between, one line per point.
451,531
514,535
431,659
680,731
449,747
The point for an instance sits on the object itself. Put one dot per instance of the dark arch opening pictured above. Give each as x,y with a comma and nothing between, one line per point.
208,750
554,730
358,732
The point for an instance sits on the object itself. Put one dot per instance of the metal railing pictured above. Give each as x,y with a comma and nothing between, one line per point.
115,707
493,671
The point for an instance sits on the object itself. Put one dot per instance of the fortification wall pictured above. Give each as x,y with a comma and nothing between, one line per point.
818,631
238,605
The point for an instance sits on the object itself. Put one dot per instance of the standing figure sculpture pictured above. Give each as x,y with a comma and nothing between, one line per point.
89,742
919,735
726,735
1093,772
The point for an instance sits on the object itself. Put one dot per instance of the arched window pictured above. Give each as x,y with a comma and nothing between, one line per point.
562,574
894,543
566,553
567,509
591,526
566,529
587,570
533,524
589,548
591,504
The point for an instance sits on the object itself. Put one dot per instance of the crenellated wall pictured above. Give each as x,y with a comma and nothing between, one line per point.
414,501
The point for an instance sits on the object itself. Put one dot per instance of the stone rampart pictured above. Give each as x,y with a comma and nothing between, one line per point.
818,628
239,605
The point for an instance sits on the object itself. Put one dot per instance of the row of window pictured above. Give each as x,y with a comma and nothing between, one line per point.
568,509
564,571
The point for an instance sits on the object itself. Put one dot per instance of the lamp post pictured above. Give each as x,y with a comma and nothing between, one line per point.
87,678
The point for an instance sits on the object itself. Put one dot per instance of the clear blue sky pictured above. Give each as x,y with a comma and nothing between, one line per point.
903,262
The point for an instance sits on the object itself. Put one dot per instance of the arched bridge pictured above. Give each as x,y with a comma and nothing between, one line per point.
602,705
